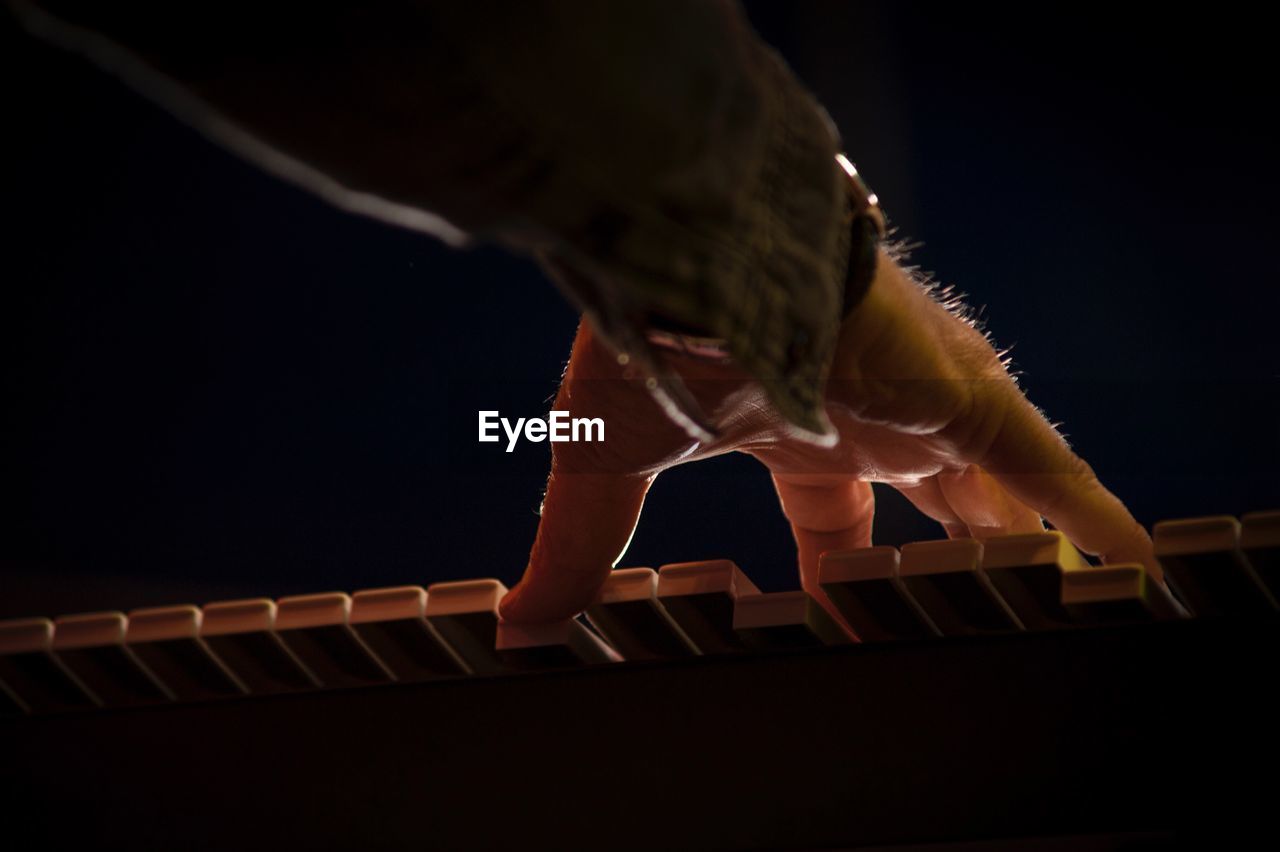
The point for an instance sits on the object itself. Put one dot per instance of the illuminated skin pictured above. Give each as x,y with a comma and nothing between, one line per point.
921,401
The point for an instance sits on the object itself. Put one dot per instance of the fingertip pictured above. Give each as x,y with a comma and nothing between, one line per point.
547,598
519,607
509,606
1136,546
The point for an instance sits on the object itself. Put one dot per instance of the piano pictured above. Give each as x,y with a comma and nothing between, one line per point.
995,694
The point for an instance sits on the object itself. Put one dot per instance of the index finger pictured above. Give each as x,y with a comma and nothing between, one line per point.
587,522
1013,441
596,490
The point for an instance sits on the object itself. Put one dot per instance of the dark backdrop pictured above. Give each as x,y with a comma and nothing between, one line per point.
216,385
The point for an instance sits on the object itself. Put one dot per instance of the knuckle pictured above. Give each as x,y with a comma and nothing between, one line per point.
1066,488
980,414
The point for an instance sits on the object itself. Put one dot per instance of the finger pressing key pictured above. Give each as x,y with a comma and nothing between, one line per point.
1010,439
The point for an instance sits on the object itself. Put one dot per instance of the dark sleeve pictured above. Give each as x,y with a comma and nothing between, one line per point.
659,158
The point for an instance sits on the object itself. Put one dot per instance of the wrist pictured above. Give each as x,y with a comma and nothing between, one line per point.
865,231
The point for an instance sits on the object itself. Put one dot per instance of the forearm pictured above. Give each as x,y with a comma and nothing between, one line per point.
535,115
658,151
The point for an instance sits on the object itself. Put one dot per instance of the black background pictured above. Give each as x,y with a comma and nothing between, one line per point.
216,385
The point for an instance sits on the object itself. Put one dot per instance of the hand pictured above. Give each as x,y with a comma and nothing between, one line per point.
921,401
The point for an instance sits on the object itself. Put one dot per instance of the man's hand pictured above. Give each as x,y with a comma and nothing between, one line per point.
921,401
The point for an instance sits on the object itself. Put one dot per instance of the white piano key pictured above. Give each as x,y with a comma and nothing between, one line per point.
1260,542
315,628
1204,566
866,588
700,597
946,579
392,622
785,620
1117,593
1026,569
559,644
34,677
10,703
241,633
91,646
465,615
167,641
629,615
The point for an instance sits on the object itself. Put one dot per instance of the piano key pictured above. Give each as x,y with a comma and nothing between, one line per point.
1119,593
629,615
32,674
1260,542
700,597
785,620
1026,570
167,641
465,615
315,628
241,634
866,588
10,704
561,644
1204,566
92,647
392,622
946,579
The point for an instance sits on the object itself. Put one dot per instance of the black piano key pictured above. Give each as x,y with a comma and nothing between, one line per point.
241,634
561,644
865,586
167,641
392,623
1260,542
630,617
34,677
1026,569
465,615
1116,594
700,597
1204,566
315,628
92,648
785,620
945,578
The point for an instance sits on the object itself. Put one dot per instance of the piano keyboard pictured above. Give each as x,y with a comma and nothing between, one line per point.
1215,566
999,694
